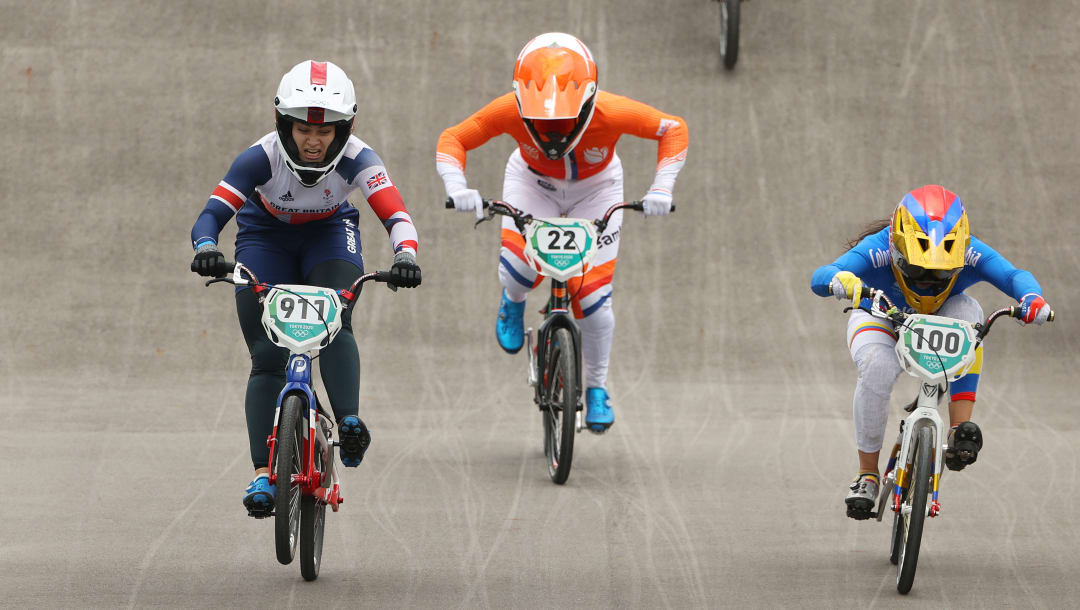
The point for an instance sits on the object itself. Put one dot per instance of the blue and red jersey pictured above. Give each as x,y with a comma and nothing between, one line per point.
870,261
261,190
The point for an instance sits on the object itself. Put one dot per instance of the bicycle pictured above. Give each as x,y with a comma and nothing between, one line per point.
555,361
304,320
937,350
729,32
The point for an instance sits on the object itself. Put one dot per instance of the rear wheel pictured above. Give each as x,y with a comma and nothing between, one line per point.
729,32
913,510
560,413
290,442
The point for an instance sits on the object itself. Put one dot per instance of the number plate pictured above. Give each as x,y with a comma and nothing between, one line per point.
934,345
300,317
560,247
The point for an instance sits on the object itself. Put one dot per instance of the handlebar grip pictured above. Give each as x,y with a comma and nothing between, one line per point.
866,292
450,203
1050,318
384,276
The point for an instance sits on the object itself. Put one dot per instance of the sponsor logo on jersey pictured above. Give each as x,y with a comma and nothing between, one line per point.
971,257
350,237
531,151
378,179
596,154
327,196
287,196
665,124
544,184
879,258
607,239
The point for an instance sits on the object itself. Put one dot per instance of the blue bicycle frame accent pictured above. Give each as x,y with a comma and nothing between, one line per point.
298,379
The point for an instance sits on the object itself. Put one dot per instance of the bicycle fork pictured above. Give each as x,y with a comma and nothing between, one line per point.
922,415
321,484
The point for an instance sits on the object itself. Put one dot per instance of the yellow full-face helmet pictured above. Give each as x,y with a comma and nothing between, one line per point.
928,236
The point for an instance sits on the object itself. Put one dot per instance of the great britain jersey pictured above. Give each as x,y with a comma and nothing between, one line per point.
871,262
260,189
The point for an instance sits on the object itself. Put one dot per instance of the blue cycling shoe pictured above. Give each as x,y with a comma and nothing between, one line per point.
598,415
354,439
510,327
259,497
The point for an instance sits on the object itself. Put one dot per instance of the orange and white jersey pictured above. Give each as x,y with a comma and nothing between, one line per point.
614,116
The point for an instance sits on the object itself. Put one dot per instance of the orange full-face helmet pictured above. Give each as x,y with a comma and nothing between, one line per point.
555,86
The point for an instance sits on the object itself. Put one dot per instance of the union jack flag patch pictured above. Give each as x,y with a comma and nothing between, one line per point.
378,179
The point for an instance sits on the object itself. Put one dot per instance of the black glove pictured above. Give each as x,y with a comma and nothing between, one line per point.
405,272
209,261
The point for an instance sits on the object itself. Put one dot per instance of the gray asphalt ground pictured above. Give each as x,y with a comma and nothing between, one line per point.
123,451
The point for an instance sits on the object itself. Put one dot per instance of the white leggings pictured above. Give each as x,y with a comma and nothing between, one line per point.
872,343
546,197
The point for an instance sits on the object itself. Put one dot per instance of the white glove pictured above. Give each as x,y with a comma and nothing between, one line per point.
468,200
657,203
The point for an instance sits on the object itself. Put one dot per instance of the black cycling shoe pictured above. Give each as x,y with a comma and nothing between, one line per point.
963,446
355,439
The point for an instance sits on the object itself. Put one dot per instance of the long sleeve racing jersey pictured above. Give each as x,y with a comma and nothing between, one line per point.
260,189
613,116
870,261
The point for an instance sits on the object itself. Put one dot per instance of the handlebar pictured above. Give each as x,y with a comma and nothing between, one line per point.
494,206
348,296
893,313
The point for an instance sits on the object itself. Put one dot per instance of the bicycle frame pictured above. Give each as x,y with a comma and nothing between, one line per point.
323,485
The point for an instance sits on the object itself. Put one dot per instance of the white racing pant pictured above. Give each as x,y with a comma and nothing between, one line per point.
872,342
547,197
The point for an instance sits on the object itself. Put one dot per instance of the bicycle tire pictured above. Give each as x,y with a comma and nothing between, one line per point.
916,494
288,460
312,527
729,32
561,412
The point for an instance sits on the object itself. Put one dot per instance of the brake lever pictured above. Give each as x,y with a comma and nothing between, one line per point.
486,217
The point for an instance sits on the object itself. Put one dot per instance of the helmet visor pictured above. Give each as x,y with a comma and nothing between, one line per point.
916,273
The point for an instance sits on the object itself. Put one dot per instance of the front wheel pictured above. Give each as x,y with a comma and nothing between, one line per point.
312,526
729,32
913,510
560,410
290,442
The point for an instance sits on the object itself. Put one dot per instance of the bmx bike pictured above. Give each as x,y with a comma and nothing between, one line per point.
938,351
304,320
559,248
729,32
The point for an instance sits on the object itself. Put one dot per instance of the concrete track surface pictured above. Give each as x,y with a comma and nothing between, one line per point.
122,440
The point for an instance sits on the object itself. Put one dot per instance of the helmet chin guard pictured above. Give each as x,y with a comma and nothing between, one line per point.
314,93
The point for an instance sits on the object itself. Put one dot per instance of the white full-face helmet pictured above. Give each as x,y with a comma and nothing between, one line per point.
316,93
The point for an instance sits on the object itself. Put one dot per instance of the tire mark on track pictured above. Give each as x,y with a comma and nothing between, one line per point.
167,531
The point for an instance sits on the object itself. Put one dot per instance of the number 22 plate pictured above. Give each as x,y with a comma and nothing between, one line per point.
560,247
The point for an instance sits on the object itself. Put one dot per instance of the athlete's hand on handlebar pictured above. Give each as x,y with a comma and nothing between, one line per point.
209,261
405,272
846,285
468,200
1033,309
656,203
